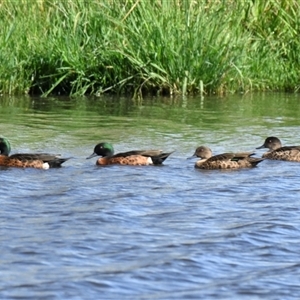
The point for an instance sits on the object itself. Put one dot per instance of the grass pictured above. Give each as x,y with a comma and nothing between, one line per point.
80,47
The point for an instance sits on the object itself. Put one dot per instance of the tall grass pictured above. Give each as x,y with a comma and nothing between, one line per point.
79,47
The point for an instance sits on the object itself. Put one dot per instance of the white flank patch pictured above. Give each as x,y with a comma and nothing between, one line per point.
149,161
46,166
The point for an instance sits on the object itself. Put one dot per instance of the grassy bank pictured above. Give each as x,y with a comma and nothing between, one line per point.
138,46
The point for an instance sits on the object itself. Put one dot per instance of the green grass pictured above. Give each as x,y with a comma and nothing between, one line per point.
135,47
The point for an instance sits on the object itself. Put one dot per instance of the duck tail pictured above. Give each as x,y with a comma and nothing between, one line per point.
255,161
56,163
159,159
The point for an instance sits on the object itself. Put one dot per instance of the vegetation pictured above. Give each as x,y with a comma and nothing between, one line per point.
90,47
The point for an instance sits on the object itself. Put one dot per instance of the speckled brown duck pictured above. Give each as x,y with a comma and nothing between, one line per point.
225,160
277,152
133,158
27,160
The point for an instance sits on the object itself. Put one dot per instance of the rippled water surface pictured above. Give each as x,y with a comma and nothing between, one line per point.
166,232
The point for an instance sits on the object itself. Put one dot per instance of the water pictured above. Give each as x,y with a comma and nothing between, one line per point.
167,232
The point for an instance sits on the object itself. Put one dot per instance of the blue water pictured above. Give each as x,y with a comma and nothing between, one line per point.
166,232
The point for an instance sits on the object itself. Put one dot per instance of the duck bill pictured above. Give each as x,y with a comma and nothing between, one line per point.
92,155
263,146
193,156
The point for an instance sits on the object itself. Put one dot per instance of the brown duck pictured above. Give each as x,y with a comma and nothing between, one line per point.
277,152
133,158
27,160
225,160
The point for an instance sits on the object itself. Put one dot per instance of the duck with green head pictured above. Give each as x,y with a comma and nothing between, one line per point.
133,158
277,152
27,160
224,161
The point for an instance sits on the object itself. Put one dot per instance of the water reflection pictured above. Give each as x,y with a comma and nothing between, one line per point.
265,105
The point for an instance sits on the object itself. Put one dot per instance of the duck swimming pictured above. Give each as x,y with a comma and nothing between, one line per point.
278,152
133,158
27,160
225,160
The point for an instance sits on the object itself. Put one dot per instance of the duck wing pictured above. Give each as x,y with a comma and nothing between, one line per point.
231,156
287,148
45,157
241,155
221,157
148,153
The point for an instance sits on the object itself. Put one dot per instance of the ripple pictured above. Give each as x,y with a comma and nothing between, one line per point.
169,232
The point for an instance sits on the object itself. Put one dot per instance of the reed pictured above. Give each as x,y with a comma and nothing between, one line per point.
135,47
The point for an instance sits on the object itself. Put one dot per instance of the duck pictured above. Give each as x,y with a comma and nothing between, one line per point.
133,158
225,160
278,152
27,160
